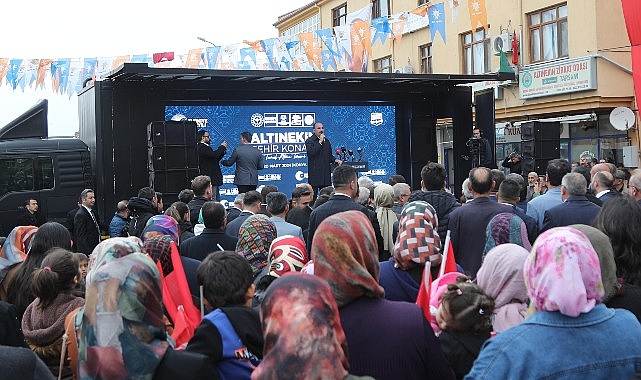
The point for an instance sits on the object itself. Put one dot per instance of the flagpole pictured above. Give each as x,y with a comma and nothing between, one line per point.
444,260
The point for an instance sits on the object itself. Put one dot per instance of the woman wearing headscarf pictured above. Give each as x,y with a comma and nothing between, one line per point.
13,252
506,228
417,242
121,331
501,277
254,238
384,201
570,325
287,253
160,225
303,334
387,339
618,293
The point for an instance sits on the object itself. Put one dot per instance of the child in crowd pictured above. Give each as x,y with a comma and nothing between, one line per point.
43,321
230,335
83,261
465,320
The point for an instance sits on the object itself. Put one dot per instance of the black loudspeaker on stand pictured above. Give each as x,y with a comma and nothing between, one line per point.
541,143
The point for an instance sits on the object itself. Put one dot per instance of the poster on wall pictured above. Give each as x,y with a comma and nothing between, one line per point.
280,131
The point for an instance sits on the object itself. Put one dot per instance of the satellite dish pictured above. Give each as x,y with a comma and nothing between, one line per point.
622,118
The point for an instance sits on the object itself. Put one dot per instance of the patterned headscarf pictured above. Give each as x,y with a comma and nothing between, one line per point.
562,273
506,228
110,250
384,200
286,254
159,249
417,238
120,330
501,277
254,238
345,254
302,330
160,225
16,246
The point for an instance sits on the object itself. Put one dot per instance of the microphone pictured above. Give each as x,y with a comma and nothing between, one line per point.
351,154
344,151
338,153
360,153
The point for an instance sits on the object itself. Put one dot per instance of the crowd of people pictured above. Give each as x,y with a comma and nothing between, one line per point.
512,281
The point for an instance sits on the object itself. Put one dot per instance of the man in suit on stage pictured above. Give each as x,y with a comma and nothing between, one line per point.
319,159
575,209
85,224
209,161
249,161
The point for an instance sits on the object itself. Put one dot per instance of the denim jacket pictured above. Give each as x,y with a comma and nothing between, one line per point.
601,344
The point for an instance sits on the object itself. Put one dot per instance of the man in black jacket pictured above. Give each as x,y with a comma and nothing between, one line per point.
319,158
213,238
513,162
209,161
433,192
142,207
202,188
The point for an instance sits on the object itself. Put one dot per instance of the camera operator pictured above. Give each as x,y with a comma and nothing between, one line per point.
480,150
513,162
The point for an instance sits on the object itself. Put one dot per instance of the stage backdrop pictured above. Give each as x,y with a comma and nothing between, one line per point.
280,131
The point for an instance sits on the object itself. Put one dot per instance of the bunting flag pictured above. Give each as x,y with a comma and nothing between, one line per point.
312,49
256,45
59,74
89,68
282,57
632,16
344,44
244,63
104,66
269,47
31,71
328,40
141,58
420,11
381,29
454,9
361,46
398,27
329,60
75,78
212,56
363,14
424,290
43,66
437,21
12,73
4,67
119,61
478,14
193,58
163,57
229,57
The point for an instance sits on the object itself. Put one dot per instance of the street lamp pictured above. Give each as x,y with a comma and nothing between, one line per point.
207,41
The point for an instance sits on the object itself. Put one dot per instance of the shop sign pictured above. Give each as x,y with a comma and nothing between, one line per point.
507,133
560,77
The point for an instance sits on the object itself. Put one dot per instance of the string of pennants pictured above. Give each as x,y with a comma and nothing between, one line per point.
346,47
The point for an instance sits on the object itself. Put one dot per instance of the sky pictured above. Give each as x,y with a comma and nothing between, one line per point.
79,29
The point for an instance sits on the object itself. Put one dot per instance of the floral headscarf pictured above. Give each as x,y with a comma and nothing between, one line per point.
286,254
302,329
506,228
562,273
345,254
254,238
112,249
121,331
501,277
384,200
16,246
160,225
418,238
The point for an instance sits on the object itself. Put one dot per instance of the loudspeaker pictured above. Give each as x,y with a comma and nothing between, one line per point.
541,143
172,181
167,157
172,133
422,146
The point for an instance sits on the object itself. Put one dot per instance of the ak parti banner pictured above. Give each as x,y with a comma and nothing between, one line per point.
478,13
632,15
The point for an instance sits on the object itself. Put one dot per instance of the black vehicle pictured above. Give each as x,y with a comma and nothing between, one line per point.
54,171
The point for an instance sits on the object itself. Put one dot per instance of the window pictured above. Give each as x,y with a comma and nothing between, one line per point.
425,54
421,2
20,174
477,52
549,33
339,15
310,24
380,8
383,65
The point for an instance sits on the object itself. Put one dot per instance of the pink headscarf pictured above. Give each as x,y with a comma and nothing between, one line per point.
501,277
562,273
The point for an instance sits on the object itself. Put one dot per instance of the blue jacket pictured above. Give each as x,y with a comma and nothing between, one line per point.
601,344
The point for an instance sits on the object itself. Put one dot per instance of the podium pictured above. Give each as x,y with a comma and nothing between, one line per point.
360,166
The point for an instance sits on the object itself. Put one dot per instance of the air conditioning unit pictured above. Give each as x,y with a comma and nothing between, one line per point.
502,43
404,70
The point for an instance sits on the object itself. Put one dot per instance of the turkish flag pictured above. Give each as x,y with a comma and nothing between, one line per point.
632,15
423,298
515,50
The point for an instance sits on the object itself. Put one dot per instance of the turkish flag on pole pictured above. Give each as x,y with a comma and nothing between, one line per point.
449,263
632,15
515,50
423,298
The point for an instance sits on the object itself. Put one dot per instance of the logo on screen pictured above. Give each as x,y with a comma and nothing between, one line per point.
300,175
257,120
287,120
376,118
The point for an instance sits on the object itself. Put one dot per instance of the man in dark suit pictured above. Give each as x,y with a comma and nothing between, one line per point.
468,223
29,216
602,183
236,208
213,238
575,209
249,161
85,224
319,158
345,179
209,161
251,206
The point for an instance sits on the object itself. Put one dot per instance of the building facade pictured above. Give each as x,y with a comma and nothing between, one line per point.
574,65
